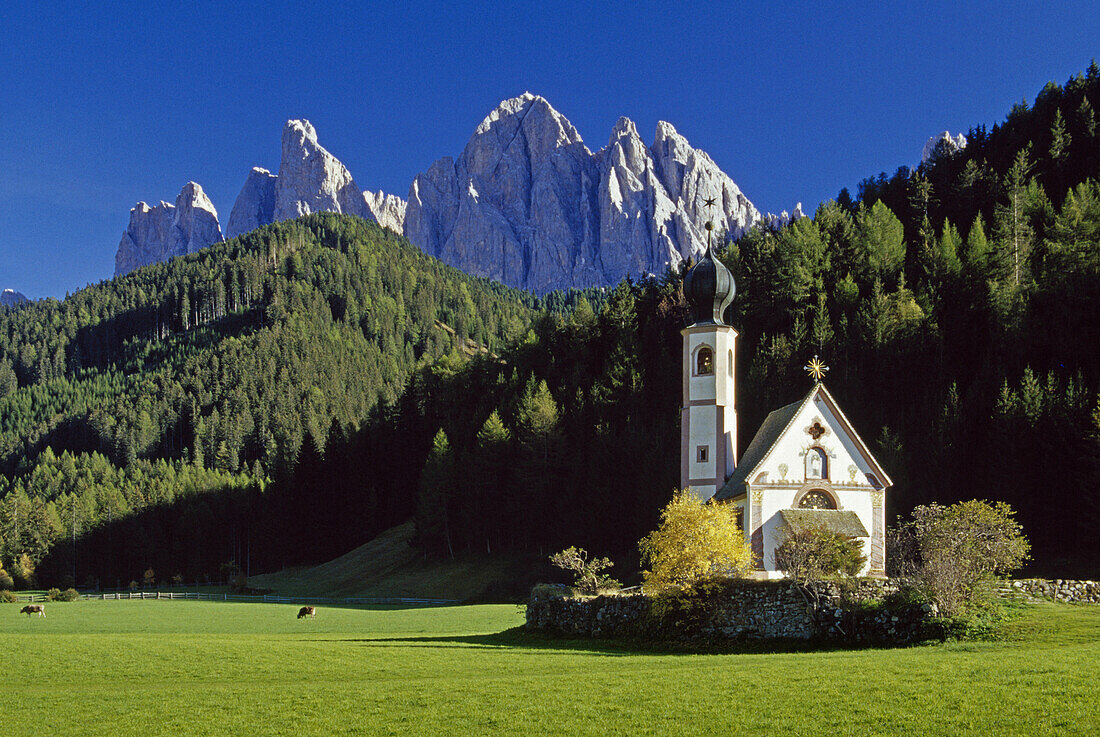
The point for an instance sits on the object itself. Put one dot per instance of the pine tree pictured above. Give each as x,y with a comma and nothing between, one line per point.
822,331
947,250
436,490
1014,232
490,466
881,240
1059,139
977,249
1087,117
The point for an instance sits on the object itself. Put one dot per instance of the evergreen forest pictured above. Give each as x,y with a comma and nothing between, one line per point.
280,398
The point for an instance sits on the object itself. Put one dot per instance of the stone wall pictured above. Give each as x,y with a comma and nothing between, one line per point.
1058,589
736,610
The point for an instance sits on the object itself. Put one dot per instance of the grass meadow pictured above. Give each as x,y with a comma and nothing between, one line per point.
217,668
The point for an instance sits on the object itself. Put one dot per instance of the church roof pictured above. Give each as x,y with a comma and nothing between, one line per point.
770,432
843,521
774,427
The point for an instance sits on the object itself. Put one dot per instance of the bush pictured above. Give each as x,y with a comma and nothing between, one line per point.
956,552
8,597
981,621
817,553
69,594
54,594
6,581
589,579
695,541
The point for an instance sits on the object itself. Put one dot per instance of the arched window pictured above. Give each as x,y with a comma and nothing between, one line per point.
817,499
704,361
729,364
817,464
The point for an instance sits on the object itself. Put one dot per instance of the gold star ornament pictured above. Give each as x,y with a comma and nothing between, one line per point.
816,368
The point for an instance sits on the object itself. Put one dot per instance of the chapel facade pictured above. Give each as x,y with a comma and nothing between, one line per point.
805,466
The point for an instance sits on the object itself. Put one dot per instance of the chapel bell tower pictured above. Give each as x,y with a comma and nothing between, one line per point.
708,421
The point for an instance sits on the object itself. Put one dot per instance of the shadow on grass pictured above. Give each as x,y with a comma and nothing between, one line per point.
520,638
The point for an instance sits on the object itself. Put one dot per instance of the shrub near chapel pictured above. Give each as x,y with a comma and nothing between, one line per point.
952,554
695,541
590,578
809,556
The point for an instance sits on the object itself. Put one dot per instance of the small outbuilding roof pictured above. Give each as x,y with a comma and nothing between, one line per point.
842,521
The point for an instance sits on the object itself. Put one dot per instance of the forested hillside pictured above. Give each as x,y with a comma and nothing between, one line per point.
208,373
280,398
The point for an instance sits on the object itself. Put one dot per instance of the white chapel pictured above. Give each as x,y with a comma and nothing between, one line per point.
806,465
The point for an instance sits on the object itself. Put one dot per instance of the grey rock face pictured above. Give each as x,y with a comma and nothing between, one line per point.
943,144
310,179
10,298
255,205
387,209
163,231
775,222
527,203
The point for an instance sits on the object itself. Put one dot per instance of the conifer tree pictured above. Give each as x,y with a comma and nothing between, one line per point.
1059,139
881,240
1014,232
436,490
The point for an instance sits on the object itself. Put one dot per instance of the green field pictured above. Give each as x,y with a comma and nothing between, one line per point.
198,668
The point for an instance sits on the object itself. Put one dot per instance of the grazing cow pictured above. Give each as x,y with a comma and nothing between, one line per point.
307,611
30,609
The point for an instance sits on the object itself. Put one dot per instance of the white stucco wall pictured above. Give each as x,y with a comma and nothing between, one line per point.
701,425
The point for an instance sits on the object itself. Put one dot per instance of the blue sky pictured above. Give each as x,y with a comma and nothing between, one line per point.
105,104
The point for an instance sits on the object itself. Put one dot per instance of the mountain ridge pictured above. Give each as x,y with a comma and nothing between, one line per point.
529,204
566,218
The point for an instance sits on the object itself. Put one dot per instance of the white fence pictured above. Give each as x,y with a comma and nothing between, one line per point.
266,598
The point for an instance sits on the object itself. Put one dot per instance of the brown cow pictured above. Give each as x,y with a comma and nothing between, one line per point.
30,609
307,611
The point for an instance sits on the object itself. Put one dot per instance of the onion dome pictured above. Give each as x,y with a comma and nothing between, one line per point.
709,287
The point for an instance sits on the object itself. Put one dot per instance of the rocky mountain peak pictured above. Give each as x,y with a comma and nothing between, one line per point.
255,205
298,134
941,145
164,231
528,204
11,298
310,179
387,209
510,114
624,128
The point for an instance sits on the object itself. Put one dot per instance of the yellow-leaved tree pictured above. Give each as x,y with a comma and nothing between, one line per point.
695,541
